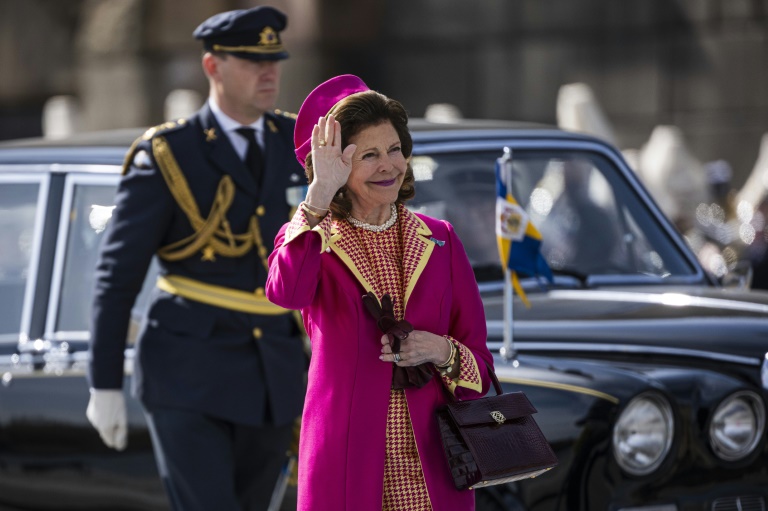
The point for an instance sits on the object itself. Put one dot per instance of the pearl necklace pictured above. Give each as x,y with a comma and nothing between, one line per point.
375,228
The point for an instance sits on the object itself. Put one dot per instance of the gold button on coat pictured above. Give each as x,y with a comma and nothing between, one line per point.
259,291
257,333
260,211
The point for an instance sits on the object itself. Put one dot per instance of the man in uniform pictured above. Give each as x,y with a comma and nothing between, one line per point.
219,369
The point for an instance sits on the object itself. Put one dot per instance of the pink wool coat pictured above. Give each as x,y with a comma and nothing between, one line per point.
342,445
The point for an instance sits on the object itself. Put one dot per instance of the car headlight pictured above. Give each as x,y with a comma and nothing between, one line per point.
737,425
642,436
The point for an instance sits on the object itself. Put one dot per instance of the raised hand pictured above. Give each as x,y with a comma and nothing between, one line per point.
331,165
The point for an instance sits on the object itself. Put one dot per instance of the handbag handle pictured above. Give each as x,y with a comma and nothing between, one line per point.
494,379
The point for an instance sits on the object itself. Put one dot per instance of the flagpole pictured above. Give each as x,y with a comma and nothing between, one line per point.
507,349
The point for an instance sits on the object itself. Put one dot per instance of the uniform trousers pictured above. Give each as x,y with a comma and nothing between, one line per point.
210,464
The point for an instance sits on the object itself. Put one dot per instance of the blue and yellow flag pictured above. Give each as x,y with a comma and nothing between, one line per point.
518,239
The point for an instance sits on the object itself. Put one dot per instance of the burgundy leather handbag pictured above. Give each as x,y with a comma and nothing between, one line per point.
493,440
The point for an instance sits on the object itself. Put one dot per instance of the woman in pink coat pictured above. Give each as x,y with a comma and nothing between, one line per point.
369,437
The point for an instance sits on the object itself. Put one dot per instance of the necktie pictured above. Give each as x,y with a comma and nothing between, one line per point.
253,157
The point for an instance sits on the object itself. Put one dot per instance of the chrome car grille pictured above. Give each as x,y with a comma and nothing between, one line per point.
750,503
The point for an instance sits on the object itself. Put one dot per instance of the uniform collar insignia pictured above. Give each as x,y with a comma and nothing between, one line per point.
210,134
271,126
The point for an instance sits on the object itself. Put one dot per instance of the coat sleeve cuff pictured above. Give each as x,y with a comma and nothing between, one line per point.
469,374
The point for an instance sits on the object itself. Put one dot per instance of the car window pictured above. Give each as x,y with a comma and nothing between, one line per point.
87,208
591,221
18,212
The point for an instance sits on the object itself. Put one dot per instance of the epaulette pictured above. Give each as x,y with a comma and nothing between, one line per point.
141,160
136,157
163,128
139,157
289,115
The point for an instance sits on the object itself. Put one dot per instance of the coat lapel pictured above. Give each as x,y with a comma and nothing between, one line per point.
347,246
417,248
223,156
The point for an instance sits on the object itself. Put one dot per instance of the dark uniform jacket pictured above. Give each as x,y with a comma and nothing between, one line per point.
238,366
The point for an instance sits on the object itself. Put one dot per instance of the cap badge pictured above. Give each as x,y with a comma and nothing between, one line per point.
268,37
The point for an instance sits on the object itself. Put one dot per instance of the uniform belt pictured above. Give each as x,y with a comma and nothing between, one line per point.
219,296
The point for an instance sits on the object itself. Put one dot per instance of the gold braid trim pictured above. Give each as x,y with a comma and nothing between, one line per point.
213,235
130,155
256,231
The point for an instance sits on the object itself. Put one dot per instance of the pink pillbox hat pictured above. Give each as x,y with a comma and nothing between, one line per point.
318,103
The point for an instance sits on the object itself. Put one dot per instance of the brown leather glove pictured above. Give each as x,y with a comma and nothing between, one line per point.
396,331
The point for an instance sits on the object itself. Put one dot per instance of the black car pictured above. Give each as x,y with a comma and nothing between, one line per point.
650,378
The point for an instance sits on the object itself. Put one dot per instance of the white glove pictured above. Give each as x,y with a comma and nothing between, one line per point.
106,411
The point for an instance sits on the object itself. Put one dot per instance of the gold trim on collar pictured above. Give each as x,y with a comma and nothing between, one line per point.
414,228
350,264
345,245
422,233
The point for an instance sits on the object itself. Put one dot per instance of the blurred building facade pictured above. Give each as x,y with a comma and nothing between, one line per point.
699,65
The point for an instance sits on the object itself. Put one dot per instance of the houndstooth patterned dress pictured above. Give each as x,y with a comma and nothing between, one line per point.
404,487
387,266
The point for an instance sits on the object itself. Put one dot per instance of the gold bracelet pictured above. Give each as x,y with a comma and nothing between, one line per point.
448,363
305,209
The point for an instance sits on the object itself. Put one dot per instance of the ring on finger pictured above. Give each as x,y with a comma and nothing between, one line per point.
321,143
397,357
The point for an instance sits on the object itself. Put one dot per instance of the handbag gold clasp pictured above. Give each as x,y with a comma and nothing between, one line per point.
498,417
